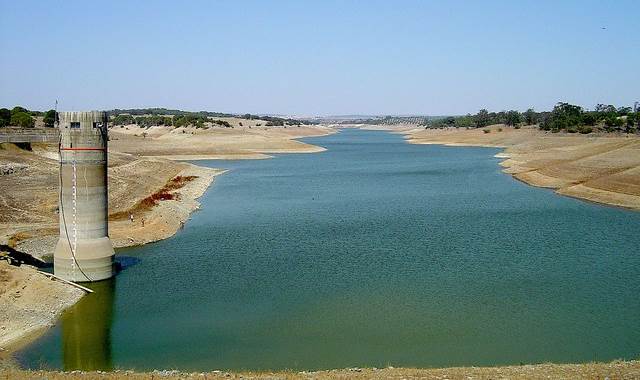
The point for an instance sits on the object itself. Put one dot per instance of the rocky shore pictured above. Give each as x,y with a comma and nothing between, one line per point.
614,370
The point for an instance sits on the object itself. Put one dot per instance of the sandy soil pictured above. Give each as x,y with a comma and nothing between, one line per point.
29,302
214,143
598,168
614,370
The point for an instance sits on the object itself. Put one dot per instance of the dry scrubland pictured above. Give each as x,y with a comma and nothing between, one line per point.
598,168
615,370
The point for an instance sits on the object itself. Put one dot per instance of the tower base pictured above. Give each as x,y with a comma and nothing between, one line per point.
94,260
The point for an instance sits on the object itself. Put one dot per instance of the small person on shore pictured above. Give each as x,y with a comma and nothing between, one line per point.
142,220
131,217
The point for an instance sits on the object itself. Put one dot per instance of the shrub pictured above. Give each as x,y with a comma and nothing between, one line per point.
49,118
585,130
486,130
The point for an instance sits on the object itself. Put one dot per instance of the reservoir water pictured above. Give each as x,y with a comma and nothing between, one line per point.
373,253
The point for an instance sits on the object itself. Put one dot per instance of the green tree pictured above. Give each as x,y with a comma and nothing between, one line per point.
5,117
606,108
465,122
22,119
530,116
589,118
623,111
563,116
631,122
18,109
613,122
123,120
49,118
482,118
513,118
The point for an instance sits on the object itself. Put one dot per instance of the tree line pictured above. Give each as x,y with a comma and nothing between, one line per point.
144,117
165,111
184,120
276,121
564,117
24,118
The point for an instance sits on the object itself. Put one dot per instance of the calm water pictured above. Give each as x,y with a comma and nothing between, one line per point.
373,253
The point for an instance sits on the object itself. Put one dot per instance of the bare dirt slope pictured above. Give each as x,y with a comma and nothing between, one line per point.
29,198
615,370
29,301
598,168
214,143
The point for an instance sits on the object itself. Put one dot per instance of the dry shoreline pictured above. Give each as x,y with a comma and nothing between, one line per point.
612,370
600,169
30,303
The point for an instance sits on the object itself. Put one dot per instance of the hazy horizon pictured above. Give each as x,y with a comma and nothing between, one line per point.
320,59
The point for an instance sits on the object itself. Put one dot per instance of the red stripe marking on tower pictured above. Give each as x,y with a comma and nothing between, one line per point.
101,149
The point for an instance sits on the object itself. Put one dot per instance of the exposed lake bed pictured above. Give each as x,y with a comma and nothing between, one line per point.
372,253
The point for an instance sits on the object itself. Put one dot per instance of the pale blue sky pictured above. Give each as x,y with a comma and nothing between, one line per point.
319,58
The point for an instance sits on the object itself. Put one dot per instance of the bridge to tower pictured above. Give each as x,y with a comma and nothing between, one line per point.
29,135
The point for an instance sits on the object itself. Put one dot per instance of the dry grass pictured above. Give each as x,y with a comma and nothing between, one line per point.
16,238
164,194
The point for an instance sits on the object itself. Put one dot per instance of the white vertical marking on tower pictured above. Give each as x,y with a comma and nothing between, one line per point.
74,191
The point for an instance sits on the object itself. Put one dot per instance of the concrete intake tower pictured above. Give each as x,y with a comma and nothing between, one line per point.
84,251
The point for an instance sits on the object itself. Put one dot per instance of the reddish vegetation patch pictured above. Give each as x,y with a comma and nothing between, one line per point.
178,182
164,194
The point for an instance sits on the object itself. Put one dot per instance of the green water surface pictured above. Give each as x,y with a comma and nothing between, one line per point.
373,253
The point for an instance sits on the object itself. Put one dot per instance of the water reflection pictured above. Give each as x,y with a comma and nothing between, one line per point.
86,330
